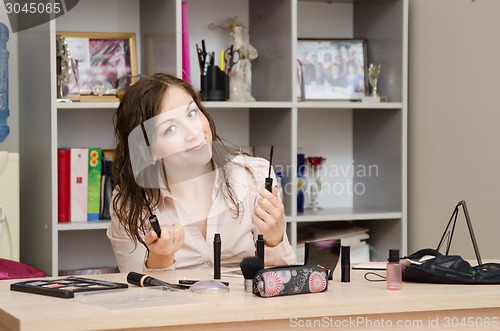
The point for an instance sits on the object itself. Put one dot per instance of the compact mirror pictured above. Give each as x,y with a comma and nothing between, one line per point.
208,286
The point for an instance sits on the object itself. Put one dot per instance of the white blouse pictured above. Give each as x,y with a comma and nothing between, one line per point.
238,235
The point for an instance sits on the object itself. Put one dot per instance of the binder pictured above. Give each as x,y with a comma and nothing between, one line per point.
94,183
63,184
79,184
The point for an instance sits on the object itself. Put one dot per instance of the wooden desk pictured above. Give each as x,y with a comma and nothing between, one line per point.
359,305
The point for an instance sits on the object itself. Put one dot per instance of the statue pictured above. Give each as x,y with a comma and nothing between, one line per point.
240,76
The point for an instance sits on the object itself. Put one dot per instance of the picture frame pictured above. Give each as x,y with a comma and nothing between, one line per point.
332,69
102,64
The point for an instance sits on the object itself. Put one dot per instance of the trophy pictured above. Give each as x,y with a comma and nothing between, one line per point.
373,75
315,163
300,79
63,67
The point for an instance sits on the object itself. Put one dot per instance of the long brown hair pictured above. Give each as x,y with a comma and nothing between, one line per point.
142,101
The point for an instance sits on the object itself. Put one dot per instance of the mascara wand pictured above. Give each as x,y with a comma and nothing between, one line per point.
153,220
269,180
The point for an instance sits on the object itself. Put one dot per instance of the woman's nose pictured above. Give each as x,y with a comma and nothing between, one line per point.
192,130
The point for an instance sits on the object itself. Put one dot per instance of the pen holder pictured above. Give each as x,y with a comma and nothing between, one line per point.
215,84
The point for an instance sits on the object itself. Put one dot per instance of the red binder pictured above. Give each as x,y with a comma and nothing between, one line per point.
63,184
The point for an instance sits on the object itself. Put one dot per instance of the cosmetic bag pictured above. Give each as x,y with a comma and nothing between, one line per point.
448,269
289,280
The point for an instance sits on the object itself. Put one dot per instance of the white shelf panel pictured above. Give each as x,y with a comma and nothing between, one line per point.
252,104
344,214
89,225
87,105
348,105
256,104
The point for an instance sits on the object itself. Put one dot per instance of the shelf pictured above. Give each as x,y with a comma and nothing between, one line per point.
348,105
87,105
256,104
89,225
350,134
344,214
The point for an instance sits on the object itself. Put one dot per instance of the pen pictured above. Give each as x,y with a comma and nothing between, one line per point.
212,59
203,48
221,63
205,69
200,57
192,281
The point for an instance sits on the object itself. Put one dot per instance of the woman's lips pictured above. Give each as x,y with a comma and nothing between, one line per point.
197,147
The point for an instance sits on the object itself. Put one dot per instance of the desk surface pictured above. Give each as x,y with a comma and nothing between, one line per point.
359,304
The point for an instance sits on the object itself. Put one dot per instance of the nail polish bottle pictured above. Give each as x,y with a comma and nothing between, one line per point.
394,269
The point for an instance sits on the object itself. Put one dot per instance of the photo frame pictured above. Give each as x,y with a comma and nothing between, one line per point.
332,69
102,63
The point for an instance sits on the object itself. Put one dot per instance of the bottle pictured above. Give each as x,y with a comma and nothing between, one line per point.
4,82
301,182
394,269
279,179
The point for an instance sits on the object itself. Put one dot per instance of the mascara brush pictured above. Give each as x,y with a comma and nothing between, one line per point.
153,220
250,265
269,180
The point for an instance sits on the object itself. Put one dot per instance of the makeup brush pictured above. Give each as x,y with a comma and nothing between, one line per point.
250,265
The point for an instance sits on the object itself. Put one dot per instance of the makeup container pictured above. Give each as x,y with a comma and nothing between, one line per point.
215,84
217,252
394,269
345,264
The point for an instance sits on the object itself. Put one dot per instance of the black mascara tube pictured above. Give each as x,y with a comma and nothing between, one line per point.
269,181
153,220
217,253
155,224
142,280
345,264
260,247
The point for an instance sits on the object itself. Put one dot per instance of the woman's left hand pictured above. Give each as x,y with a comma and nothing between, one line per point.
269,216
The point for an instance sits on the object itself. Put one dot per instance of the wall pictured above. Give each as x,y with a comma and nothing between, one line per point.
11,143
453,122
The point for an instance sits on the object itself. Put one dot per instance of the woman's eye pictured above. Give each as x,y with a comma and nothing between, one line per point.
170,130
193,112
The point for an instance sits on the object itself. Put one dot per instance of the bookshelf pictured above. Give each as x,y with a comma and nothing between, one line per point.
346,133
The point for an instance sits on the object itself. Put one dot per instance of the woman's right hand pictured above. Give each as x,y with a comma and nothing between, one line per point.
161,250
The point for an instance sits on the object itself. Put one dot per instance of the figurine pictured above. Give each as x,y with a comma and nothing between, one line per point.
240,76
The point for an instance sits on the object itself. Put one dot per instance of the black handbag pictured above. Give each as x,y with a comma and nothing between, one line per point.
449,269
430,266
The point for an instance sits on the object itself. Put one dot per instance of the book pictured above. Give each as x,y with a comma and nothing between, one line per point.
94,183
349,234
65,287
107,183
63,185
79,184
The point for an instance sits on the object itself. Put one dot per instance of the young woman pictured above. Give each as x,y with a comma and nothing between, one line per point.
170,162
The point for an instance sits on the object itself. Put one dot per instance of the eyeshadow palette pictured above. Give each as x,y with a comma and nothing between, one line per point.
65,287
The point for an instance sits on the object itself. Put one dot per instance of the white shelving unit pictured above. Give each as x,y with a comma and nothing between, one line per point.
348,134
